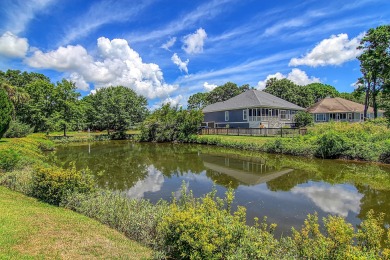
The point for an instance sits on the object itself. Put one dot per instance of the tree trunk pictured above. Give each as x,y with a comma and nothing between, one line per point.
65,130
367,100
374,95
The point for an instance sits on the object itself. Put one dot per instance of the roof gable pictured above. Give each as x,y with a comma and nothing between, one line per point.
251,98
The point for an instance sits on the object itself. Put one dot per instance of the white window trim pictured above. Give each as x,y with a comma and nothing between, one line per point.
245,115
226,116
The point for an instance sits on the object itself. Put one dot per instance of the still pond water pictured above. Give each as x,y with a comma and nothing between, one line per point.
283,188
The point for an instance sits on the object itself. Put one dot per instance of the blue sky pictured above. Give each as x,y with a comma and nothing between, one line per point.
167,50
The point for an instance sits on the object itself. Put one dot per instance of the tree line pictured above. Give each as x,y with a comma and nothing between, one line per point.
31,99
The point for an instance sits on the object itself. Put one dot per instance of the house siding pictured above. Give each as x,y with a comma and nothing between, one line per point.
219,116
235,118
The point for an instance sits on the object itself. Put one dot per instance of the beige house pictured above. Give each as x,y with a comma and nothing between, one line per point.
340,109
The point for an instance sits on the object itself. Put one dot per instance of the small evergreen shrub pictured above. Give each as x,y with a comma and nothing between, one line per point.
9,159
53,184
17,130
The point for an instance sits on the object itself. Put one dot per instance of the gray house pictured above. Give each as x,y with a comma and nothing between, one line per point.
340,109
251,109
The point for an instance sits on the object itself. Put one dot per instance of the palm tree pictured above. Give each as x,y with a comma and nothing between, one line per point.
17,95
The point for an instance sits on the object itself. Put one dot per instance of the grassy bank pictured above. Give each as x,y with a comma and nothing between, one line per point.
32,229
368,141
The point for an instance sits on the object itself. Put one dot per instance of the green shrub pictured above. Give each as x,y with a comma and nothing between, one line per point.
18,129
53,184
303,118
205,229
331,145
168,124
9,159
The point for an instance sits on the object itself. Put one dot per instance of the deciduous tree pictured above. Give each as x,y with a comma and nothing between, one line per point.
375,64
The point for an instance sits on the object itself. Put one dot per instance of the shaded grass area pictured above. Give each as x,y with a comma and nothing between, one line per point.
30,229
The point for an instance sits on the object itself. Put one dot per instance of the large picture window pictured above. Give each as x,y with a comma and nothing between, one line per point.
320,117
226,115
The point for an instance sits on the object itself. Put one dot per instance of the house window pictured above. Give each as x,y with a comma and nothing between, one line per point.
343,116
285,114
362,117
320,117
350,116
226,115
244,114
264,112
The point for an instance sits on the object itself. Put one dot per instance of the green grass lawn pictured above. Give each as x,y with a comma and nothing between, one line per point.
85,134
259,140
30,229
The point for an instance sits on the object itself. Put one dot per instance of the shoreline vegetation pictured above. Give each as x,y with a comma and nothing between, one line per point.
368,141
188,227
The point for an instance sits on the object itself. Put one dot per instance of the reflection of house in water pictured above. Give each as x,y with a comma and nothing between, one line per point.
246,172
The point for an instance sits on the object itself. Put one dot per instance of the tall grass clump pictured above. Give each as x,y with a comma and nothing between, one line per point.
137,219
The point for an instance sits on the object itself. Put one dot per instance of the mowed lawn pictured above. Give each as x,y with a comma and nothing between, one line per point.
85,134
259,140
30,229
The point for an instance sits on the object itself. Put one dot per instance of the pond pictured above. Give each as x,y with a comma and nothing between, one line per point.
283,188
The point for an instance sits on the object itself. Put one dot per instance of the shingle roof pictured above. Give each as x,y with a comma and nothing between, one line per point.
329,105
251,98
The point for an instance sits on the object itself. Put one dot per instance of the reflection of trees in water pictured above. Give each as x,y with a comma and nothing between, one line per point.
222,179
288,181
125,163
173,159
121,164
378,200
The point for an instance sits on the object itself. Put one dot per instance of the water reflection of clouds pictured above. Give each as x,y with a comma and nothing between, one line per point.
337,199
152,183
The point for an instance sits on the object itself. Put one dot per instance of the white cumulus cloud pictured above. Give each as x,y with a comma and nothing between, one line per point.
193,43
13,46
209,87
181,64
332,199
152,183
169,44
297,76
333,51
117,64
174,101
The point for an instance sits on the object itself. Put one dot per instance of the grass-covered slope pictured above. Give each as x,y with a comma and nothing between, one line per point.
31,229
